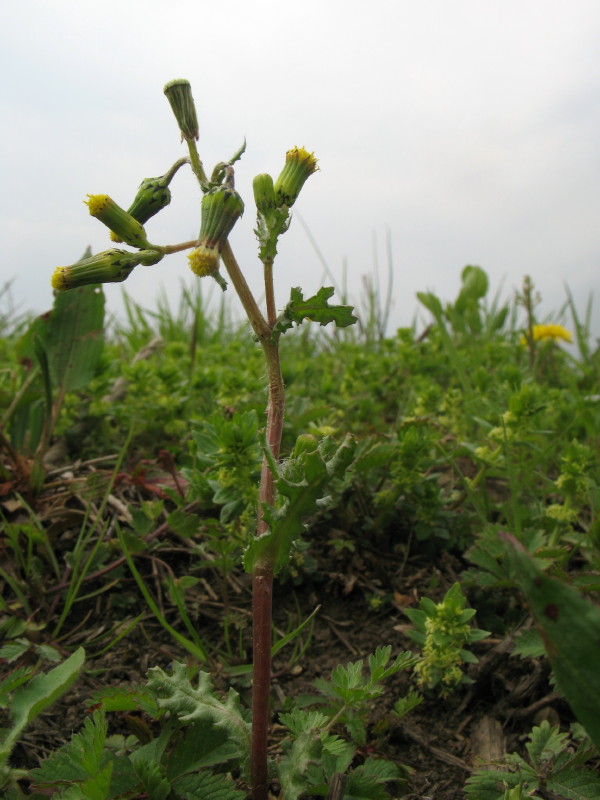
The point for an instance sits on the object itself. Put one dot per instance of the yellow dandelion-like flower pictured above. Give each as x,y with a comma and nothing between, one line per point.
542,333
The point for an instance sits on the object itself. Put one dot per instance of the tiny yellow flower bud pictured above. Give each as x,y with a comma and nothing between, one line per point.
179,95
299,166
126,227
110,266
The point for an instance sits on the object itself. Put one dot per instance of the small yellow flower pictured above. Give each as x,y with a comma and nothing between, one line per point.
299,166
554,332
110,266
204,260
120,222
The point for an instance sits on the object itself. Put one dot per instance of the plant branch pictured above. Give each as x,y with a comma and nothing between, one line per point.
255,317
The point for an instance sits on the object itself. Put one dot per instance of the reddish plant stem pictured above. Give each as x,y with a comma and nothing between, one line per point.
262,576
262,586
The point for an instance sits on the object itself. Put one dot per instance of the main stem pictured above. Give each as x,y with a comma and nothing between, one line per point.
262,576
262,586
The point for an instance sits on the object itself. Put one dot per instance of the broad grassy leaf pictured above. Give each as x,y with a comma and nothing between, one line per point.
72,336
40,692
570,628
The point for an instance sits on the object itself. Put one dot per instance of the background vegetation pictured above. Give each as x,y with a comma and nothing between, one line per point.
124,528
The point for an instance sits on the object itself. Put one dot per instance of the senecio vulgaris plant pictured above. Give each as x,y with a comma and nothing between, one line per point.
288,492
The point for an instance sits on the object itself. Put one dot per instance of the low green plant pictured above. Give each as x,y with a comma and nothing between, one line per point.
191,740
554,768
442,630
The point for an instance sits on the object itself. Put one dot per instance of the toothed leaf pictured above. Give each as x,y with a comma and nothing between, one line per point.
314,308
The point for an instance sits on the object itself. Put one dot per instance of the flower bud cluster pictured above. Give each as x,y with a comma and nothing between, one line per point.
274,199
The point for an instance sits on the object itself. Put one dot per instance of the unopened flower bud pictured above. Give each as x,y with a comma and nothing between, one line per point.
299,166
126,227
221,209
152,196
110,266
179,95
264,193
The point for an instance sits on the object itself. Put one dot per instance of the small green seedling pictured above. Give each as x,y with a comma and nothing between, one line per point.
442,630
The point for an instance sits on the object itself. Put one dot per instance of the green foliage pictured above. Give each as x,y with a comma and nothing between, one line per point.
191,704
314,754
442,630
96,766
226,468
457,438
554,765
301,483
204,736
65,345
570,627
316,309
31,695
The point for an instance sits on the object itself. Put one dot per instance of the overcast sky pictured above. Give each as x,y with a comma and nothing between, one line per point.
467,128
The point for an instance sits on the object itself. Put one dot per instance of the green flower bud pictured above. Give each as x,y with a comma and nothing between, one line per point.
152,196
110,266
221,209
305,443
126,227
264,194
179,95
299,166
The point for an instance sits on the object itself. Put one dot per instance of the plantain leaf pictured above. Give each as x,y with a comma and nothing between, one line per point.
570,627
68,339
33,697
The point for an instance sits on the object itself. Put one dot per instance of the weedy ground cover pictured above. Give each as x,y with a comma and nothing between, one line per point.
433,491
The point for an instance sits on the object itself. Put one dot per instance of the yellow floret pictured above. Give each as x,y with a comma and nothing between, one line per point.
204,260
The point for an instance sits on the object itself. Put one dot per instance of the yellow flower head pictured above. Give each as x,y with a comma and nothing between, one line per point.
299,166
120,222
204,260
554,332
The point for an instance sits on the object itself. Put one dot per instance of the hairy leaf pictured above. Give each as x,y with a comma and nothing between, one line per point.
176,694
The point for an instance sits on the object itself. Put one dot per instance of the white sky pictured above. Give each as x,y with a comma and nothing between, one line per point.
468,128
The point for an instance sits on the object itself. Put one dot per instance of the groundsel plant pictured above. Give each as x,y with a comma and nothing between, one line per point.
288,492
